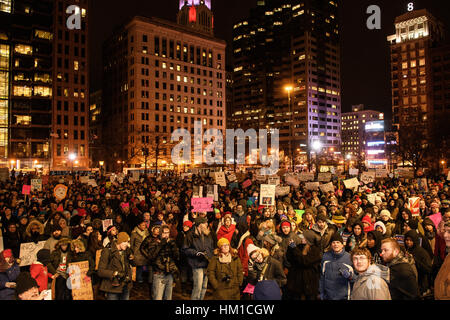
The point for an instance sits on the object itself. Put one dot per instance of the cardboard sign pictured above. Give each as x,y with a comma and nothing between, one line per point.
106,223
247,183
325,188
274,180
28,252
81,288
306,176
381,173
98,254
282,191
267,195
324,177
36,185
60,192
414,206
26,189
353,171
312,186
202,204
351,183
220,179
367,177
292,181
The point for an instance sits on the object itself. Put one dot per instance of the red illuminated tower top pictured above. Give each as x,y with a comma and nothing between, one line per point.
197,14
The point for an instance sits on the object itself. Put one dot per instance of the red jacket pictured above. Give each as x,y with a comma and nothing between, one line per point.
243,254
41,275
226,233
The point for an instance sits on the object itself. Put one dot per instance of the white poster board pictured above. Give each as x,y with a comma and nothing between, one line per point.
220,179
368,177
292,181
353,171
312,186
371,198
106,223
324,177
306,176
327,187
231,177
28,252
381,173
274,180
351,183
267,195
282,191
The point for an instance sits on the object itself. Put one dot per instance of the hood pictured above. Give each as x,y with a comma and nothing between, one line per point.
63,241
414,237
77,243
376,270
32,223
378,237
382,225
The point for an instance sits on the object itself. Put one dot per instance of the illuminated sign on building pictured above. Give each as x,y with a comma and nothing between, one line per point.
373,152
375,143
375,162
196,3
375,126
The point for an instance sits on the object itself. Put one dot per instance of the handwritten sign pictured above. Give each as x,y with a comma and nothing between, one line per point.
292,181
36,185
220,179
327,187
106,223
28,252
353,171
202,204
367,177
247,183
232,177
282,191
306,176
351,183
312,186
324,177
26,189
84,179
381,173
261,178
372,198
274,180
81,287
267,194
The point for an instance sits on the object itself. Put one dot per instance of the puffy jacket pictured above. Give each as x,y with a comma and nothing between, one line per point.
40,273
194,243
218,275
422,259
372,284
136,239
403,281
332,285
9,275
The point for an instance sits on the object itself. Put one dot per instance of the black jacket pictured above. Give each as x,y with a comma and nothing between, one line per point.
403,282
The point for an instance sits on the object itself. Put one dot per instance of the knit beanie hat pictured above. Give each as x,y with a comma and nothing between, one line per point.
336,237
385,213
285,224
188,223
251,248
122,237
223,242
43,256
25,282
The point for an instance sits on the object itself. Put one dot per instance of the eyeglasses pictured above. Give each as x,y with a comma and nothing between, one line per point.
360,258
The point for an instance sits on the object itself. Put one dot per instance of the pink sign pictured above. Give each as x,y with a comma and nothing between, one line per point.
26,189
202,204
125,205
247,183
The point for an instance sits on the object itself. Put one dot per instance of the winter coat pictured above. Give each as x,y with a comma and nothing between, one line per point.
372,284
110,262
194,243
376,250
225,278
84,256
10,275
30,238
403,282
442,282
325,236
304,271
40,273
227,233
422,259
332,285
136,239
164,255
274,271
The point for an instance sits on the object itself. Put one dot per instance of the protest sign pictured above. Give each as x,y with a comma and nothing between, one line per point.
220,179
4,174
202,204
324,177
212,192
231,177
368,177
247,183
448,176
106,223
141,198
80,284
292,181
28,252
353,171
381,173
84,179
98,255
36,185
327,187
414,206
274,180
351,183
26,189
253,200
312,186
261,178
45,180
1,244
108,185
422,184
299,214
400,239
371,198
92,183
306,176
197,193
60,192
267,194
282,191
405,173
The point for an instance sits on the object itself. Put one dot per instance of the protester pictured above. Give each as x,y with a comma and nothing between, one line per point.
9,271
442,282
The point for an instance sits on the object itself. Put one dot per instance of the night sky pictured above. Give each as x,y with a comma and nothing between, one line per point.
365,53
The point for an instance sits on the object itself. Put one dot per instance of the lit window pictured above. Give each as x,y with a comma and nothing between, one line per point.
22,91
23,49
42,91
75,65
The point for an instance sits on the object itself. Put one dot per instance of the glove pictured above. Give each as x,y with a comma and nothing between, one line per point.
292,245
346,273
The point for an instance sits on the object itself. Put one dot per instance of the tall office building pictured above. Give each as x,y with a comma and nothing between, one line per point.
289,44
43,85
417,33
70,122
354,130
160,76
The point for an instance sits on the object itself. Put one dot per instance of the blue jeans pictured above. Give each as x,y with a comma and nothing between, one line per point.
162,286
125,295
200,278
139,276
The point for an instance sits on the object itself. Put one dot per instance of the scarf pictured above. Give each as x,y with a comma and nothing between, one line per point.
225,258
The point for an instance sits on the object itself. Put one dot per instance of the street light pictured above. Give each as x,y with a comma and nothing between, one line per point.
72,158
101,163
289,89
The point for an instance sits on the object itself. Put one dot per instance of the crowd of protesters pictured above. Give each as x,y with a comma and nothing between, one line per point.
309,245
